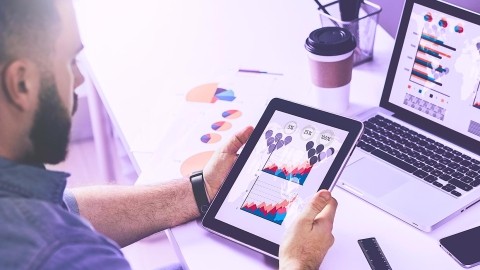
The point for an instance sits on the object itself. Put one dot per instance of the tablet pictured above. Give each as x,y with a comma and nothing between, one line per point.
293,152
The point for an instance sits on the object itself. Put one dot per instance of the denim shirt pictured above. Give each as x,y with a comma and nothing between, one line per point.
37,230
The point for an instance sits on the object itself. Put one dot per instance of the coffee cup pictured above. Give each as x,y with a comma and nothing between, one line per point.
330,54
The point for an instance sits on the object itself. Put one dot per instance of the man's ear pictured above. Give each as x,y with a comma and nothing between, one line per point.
21,81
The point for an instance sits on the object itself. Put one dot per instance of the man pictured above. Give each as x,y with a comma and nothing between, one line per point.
44,227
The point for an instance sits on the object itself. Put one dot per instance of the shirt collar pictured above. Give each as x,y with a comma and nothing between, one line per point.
33,182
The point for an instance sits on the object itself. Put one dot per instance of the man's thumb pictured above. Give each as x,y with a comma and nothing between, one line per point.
316,205
237,141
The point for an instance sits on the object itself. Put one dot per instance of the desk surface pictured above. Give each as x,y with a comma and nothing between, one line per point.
142,52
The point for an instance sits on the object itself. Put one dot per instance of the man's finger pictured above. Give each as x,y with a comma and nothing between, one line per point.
328,212
237,141
316,205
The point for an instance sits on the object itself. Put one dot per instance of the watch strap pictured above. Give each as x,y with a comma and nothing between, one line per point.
199,192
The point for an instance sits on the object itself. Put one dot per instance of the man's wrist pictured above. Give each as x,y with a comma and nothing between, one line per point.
200,192
295,265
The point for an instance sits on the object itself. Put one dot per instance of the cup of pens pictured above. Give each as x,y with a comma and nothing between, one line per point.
360,18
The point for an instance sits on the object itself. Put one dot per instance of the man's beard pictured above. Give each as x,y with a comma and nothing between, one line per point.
50,133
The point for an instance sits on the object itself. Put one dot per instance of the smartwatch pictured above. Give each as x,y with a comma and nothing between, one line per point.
199,192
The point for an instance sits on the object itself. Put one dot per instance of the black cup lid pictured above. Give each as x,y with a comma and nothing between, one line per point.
330,41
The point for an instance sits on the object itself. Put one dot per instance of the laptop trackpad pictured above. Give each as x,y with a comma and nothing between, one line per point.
373,177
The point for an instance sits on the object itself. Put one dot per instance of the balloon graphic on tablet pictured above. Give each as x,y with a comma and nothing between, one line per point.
309,145
275,143
319,148
288,139
280,144
322,156
317,154
268,134
270,141
313,160
278,136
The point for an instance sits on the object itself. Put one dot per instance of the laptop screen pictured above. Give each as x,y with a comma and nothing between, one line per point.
437,75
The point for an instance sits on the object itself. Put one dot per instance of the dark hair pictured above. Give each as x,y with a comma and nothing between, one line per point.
28,28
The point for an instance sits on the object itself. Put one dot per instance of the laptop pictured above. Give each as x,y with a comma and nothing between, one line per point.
419,158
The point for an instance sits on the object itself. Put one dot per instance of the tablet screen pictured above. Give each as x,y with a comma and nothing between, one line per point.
286,167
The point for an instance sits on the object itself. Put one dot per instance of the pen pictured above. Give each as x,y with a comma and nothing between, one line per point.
349,9
320,6
258,71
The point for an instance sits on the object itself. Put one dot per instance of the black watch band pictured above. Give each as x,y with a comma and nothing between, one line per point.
199,192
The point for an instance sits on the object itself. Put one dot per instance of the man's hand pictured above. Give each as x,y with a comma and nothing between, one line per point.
222,161
310,237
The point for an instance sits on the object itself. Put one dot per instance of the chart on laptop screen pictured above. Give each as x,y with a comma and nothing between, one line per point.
438,74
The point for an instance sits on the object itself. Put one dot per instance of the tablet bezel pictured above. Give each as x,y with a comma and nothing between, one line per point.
354,129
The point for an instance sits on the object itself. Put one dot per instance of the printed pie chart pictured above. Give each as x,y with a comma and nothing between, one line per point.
210,93
211,138
232,114
221,126
195,163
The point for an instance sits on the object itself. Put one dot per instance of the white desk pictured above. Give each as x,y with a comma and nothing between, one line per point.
143,51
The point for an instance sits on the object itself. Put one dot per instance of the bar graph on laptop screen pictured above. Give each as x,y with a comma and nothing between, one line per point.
438,74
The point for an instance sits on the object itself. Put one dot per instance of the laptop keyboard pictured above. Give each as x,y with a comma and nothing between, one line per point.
431,161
